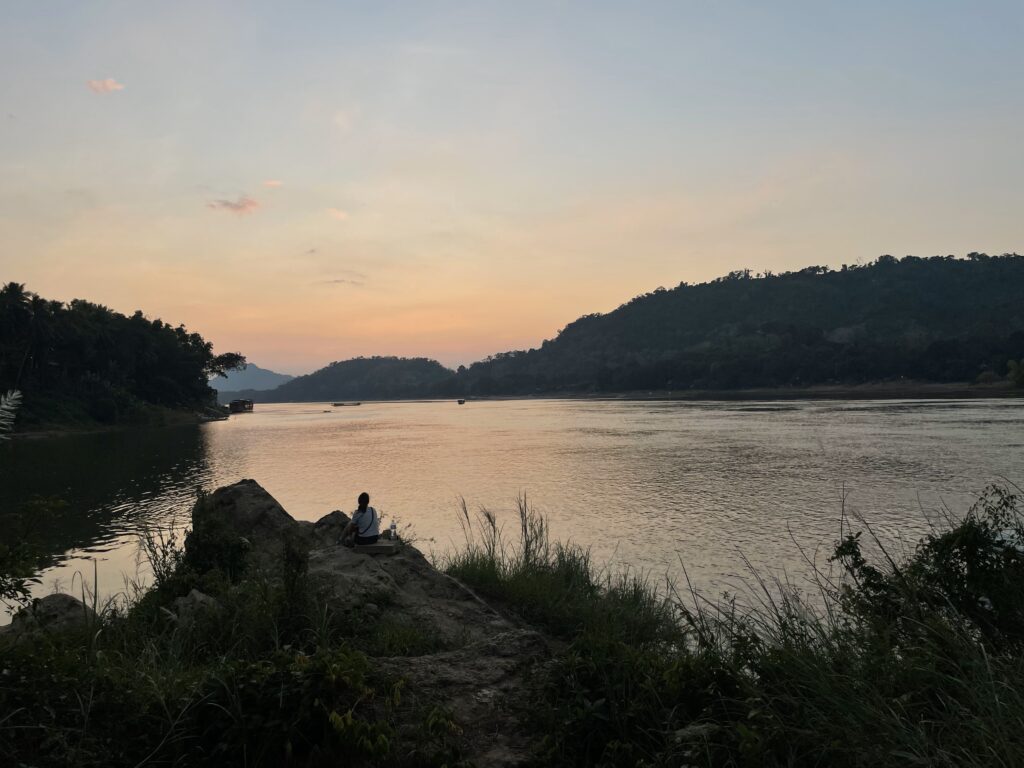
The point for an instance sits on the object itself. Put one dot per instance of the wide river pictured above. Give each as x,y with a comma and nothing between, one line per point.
655,486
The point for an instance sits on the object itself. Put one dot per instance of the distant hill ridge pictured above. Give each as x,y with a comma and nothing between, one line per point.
940,319
381,378
251,377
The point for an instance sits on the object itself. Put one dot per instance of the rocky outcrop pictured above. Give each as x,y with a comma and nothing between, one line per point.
482,675
54,613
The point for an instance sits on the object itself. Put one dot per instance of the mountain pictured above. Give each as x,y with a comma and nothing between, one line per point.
363,378
937,319
251,377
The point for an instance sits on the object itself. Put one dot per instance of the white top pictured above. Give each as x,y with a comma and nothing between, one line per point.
367,522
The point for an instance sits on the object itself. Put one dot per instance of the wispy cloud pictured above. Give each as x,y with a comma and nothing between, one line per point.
107,85
273,183
344,281
242,206
337,213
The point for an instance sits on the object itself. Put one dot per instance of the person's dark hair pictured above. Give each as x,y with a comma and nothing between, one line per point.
364,498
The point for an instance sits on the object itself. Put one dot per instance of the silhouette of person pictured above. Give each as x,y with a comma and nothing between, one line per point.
365,524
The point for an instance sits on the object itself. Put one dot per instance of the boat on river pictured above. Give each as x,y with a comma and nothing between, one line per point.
240,406
462,402
339,405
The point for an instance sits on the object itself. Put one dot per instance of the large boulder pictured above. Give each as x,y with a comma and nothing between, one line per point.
248,509
241,523
54,613
329,527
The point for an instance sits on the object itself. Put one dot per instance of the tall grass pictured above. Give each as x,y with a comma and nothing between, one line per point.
913,662
260,673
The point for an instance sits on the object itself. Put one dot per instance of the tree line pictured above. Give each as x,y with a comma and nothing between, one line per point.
82,362
938,319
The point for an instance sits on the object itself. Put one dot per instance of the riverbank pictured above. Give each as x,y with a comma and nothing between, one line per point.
152,417
265,643
883,390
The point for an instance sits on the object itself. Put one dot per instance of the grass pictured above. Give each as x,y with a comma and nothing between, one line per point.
265,674
905,663
902,661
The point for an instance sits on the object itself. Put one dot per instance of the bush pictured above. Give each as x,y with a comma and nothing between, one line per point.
911,663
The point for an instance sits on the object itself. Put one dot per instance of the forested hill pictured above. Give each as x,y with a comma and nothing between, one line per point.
363,378
81,363
937,319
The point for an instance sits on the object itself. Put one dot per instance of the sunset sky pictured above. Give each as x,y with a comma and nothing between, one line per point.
308,182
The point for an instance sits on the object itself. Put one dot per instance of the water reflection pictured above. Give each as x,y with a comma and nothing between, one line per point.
109,486
651,485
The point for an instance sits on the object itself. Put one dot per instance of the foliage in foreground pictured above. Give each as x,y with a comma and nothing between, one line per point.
265,674
912,662
908,663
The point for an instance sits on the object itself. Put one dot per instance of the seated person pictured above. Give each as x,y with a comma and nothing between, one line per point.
365,525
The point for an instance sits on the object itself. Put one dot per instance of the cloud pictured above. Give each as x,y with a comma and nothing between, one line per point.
104,86
273,183
311,251
242,206
344,281
337,213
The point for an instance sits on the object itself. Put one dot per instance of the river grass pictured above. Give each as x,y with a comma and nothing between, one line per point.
902,662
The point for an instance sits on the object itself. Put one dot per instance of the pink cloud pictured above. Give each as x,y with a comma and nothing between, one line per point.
337,213
104,86
242,206
273,183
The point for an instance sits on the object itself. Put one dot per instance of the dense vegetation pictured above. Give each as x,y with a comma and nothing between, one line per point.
259,673
913,662
84,363
938,319
908,663
364,378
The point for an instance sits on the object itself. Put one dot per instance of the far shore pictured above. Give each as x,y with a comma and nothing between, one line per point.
889,390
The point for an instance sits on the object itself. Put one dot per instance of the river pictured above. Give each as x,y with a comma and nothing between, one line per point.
652,486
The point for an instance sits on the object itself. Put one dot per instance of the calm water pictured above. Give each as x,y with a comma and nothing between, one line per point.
650,485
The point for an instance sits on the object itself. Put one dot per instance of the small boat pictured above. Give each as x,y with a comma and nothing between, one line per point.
339,405
240,406
462,402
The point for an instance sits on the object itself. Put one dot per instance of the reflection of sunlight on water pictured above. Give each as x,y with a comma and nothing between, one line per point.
646,485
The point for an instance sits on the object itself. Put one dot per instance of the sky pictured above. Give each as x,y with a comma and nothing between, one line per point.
306,182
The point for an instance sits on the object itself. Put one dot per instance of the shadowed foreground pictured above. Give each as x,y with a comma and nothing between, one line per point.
265,643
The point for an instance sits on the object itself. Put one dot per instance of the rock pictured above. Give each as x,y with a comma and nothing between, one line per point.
58,612
485,687
246,512
379,548
696,733
329,527
194,605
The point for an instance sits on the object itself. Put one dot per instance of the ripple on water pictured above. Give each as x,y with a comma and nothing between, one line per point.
656,486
